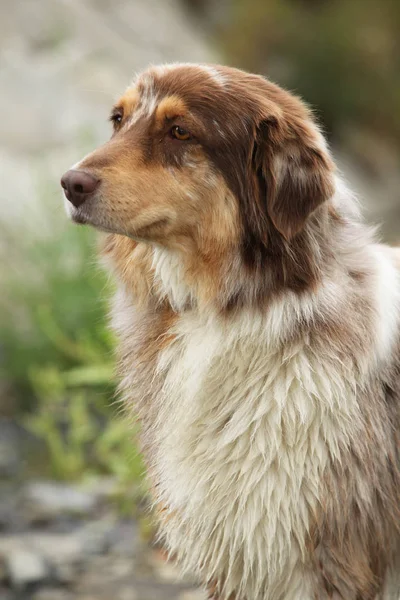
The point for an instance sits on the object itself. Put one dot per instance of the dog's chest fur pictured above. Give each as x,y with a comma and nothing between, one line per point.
244,430
245,415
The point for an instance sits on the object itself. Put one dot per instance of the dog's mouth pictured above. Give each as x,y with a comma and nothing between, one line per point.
90,215
95,212
76,214
79,219
84,214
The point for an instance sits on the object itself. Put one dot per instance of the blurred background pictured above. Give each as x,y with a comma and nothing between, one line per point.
74,513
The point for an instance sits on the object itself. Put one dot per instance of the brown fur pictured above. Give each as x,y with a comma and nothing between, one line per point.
356,532
263,157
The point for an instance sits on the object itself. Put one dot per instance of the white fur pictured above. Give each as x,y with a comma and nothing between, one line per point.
147,106
387,298
169,272
248,421
215,74
245,423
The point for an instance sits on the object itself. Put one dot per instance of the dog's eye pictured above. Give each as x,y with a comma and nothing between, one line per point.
179,133
116,118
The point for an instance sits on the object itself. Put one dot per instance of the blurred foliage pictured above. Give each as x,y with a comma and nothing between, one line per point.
53,311
73,421
56,352
342,56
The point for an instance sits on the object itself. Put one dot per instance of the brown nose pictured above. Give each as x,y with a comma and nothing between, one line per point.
78,185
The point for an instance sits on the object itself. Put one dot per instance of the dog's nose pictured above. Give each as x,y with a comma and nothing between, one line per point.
78,185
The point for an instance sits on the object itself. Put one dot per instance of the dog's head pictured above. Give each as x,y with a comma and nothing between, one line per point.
206,156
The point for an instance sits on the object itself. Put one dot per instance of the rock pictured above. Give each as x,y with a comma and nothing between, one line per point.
165,569
3,571
193,595
61,555
121,567
25,567
52,594
8,515
104,487
48,500
124,538
168,572
95,537
66,573
10,448
58,548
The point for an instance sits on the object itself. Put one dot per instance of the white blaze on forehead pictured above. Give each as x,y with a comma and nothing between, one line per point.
217,76
212,71
148,98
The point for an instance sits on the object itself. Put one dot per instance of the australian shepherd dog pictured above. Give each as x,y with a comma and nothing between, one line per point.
259,336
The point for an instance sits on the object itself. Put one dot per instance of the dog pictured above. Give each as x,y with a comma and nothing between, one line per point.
259,336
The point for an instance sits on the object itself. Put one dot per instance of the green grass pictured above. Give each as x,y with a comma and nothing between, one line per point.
57,353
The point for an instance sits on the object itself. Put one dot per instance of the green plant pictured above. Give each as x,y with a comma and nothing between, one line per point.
72,419
56,351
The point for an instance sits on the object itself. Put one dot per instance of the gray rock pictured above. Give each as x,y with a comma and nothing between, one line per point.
66,573
62,555
47,500
25,567
3,571
10,444
52,594
124,538
8,513
59,548
95,537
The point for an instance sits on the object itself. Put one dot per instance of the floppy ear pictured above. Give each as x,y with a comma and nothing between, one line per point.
294,171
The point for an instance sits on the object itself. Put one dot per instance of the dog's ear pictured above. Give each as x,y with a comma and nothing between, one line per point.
294,172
